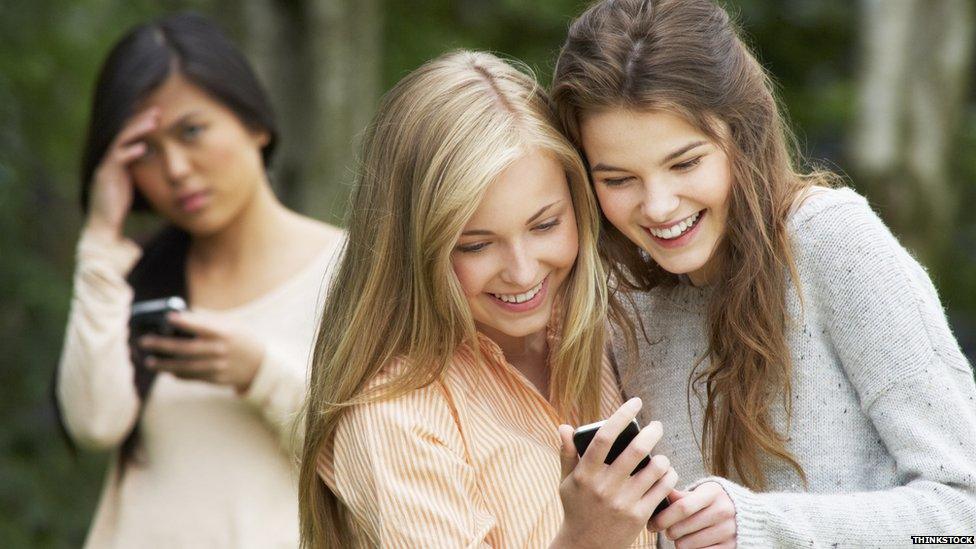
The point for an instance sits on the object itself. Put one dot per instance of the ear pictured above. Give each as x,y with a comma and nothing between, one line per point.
261,138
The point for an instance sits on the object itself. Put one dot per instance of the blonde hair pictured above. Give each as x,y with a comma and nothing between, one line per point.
685,57
440,138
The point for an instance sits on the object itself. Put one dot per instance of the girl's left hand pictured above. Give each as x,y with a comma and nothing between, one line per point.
216,354
703,517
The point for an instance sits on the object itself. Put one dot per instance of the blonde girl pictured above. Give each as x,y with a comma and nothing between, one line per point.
464,326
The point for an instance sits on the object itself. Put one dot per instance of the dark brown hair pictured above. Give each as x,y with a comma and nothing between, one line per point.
686,57
185,43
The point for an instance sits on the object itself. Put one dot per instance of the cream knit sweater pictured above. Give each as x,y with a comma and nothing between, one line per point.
217,469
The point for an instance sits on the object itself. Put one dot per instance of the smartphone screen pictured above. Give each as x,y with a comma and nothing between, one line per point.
583,436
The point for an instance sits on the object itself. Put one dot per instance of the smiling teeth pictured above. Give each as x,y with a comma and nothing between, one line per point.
520,298
676,230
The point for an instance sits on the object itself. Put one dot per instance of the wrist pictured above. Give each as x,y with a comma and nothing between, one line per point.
103,231
251,372
563,539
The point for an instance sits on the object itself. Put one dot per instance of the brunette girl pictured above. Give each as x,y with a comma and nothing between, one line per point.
202,427
797,355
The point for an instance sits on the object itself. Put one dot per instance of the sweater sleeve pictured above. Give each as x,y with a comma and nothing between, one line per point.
95,388
887,325
400,468
278,391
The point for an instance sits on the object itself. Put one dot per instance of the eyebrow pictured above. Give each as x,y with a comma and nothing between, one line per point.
675,154
536,215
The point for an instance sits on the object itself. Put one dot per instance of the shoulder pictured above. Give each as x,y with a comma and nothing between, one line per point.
835,232
421,414
316,230
869,289
823,204
315,236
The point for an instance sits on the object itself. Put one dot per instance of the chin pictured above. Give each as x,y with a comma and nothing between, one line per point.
520,328
199,225
680,267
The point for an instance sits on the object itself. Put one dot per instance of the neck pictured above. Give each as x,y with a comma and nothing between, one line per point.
256,228
520,349
527,354
708,273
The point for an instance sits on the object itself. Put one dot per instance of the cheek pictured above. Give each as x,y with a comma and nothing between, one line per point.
225,151
470,273
616,205
566,248
229,160
152,184
718,184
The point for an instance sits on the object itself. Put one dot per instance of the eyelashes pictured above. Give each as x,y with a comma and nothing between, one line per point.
688,163
472,248
679,167
479,246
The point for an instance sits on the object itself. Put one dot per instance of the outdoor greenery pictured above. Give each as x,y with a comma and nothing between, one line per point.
50,51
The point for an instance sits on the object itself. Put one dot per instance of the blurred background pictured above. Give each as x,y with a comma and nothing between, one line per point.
880,90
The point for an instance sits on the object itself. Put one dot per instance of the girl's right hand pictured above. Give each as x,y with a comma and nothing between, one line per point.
111,190
604,505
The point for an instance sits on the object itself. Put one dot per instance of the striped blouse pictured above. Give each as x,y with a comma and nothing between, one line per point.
471,460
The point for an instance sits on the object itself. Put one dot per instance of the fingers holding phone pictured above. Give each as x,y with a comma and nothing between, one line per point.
598,444
608,496
216,353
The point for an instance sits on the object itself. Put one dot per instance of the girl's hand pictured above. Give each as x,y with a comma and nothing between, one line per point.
604,505
111,190
703,517
217,354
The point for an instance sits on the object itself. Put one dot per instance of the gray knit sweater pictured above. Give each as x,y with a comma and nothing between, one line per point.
884,404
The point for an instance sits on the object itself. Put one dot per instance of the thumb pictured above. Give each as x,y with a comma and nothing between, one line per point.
567,451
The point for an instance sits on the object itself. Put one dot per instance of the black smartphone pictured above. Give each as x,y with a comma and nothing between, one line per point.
583,436
149,317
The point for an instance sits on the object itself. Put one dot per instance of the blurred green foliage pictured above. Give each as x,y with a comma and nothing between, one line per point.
49,54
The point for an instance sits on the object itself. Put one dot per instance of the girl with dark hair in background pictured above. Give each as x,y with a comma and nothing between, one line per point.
832,405
203,426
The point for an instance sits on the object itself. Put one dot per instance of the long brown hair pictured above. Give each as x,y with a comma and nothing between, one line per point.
439,139
686,57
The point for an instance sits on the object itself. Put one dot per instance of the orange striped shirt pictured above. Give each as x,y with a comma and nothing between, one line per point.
471,460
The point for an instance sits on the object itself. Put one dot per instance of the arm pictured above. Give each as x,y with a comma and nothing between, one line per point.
277,392
891,335
271,377
95,386
400,469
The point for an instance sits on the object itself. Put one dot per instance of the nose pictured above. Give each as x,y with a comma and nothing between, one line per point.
659,201
522,267
177,164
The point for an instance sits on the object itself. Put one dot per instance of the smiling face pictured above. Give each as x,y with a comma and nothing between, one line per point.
518,248
662,183
202,165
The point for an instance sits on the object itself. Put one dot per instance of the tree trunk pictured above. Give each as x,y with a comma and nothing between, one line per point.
345,51
916,59
320,60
